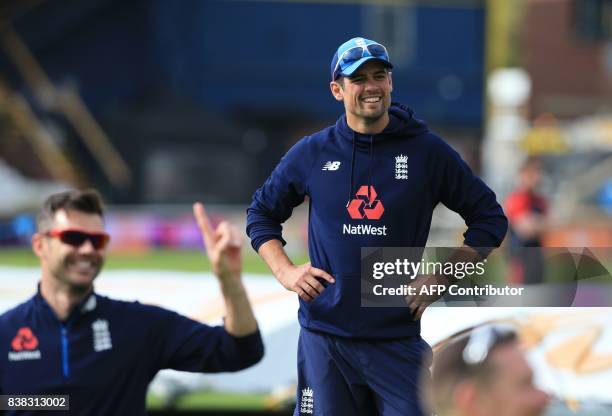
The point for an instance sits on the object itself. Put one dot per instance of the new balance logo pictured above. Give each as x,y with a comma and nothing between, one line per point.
331,165
307,402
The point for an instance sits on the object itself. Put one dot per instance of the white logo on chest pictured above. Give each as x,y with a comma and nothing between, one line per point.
101,335
331,165
401,167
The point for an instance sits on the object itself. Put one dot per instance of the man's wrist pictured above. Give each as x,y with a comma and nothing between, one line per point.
232,285
280,271
479,253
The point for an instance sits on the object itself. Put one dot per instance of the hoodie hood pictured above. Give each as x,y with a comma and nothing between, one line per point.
402,123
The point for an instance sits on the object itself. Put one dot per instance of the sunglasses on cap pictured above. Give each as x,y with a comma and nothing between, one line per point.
352,55
482,341
77,238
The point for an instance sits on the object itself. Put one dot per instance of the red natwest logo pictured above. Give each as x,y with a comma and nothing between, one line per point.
361,207
25,340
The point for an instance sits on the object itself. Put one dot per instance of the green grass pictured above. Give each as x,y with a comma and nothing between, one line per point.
17,257
212,400
183,260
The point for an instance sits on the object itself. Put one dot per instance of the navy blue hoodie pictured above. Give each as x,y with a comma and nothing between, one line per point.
410,171
106,353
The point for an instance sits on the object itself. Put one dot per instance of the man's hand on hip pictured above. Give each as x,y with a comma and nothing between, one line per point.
304,280
427,291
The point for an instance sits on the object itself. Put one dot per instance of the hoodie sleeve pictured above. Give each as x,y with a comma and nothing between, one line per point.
187,345
285,189
463,192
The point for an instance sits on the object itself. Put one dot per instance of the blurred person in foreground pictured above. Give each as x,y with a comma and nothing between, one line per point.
102,352
373,180
485,373
527,212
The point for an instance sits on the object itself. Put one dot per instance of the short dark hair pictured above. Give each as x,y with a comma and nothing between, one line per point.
450,368
88,201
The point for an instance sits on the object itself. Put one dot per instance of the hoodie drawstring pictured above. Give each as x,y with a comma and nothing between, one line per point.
350,194
370,171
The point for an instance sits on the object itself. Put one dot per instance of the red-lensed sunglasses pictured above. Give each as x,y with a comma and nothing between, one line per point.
76,238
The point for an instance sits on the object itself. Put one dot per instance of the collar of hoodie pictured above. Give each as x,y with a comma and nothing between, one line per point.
402,124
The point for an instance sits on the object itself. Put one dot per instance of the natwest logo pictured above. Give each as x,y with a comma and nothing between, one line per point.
24,340
24,346
366,207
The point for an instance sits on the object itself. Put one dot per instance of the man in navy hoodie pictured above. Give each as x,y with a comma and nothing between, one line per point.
373,179
102,353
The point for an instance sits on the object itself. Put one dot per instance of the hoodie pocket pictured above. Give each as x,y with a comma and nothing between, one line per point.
334,310
338,311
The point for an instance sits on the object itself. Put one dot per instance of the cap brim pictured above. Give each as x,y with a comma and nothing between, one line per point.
355,66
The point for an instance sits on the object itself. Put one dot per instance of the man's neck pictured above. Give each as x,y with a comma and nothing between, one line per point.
365,126
59,297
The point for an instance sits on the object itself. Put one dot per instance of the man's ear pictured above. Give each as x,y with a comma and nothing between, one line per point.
37,244
390,81
336,90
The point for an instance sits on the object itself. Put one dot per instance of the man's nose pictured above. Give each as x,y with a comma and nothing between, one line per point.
370,84
87,247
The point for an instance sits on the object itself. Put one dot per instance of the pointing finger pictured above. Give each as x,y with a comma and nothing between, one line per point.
203,222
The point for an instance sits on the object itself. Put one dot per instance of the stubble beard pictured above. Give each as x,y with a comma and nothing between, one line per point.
372,117
62,273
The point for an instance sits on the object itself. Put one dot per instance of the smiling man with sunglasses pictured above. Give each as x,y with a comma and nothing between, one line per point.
102,353
373,180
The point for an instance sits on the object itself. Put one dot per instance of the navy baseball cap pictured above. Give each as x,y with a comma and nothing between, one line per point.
354,53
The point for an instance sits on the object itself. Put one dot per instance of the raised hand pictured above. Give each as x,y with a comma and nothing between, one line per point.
223,244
